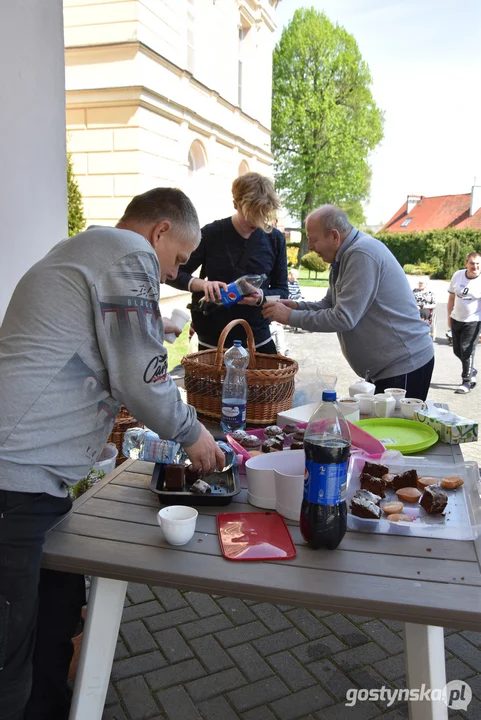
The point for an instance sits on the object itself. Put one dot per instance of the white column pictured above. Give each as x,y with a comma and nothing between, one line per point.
425,668
33,191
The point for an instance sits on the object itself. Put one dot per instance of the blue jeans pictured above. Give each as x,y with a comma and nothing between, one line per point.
39,611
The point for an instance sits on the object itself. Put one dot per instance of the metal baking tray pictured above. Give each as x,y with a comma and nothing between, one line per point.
219,495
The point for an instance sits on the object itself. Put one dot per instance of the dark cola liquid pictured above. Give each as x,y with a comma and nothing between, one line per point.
324,526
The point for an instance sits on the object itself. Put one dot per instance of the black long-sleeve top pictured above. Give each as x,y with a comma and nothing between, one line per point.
219,253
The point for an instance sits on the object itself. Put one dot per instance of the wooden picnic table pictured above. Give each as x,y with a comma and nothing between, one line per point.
112,535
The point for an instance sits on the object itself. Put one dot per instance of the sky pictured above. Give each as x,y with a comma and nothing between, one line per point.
425,61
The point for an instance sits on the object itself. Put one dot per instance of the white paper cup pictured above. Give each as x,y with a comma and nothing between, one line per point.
365,403
289,485
272,298
398,394
410,405
349,407
180,318
177,523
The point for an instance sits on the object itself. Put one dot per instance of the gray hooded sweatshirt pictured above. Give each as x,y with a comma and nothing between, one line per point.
372,308
83,335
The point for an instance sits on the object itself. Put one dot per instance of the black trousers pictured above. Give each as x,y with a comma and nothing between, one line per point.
416,383
269,348
39,611
465,340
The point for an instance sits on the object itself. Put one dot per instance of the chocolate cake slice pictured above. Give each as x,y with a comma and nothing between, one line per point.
405,479
368,496
434,500
174,477
273,444
375,469
373,484
290,428
360,507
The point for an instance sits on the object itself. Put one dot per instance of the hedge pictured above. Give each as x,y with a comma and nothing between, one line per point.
445,250
312,262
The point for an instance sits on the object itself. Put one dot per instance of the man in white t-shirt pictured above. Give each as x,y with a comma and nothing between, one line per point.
464,317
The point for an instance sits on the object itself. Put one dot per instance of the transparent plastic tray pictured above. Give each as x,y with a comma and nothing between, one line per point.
462,516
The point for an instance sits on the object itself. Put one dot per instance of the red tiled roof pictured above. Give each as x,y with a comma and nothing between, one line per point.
431,213
472,222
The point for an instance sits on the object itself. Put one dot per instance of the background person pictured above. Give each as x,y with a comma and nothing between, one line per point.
425,299
244,244
82,335
464,317
369,304
293,287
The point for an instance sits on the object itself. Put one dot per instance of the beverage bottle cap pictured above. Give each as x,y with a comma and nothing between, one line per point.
329,395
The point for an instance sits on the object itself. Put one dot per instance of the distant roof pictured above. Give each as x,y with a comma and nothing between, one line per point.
430,213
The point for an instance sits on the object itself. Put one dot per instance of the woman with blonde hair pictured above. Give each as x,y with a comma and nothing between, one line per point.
245,243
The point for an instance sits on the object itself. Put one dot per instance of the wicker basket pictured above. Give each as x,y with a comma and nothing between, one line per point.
270,380
124,422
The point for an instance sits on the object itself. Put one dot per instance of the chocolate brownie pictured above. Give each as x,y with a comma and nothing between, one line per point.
191,475
273,444
368,496
174,477
290,428
360,507
375,469
201,487
434,500
373,484
299,434
405,479
297,445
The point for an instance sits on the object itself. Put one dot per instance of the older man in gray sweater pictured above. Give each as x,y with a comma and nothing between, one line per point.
369,304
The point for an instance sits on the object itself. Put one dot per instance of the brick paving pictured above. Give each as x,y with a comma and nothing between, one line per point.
187,656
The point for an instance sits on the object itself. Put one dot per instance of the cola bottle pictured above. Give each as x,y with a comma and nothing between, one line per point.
245,285
327,443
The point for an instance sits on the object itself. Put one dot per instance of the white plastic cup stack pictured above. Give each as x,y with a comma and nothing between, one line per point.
179,318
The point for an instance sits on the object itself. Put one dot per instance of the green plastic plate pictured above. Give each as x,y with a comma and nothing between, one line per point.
407,436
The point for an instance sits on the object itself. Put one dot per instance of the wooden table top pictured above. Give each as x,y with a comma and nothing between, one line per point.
112,532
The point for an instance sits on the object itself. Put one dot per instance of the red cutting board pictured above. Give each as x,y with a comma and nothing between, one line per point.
254,536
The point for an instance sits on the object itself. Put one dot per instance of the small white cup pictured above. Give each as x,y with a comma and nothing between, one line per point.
177,523
272,298
398,394
349,407
410,405
179,318
383,405
365,403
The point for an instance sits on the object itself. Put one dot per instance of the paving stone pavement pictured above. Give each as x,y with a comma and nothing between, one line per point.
187,656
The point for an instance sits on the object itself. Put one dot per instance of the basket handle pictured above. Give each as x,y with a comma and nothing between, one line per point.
219,356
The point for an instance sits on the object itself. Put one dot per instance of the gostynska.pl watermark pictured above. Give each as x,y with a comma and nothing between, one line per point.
455,694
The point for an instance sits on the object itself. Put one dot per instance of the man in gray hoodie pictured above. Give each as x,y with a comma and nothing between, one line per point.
82,335
369,304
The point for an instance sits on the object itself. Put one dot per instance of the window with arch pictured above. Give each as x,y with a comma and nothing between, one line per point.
197,158
243,168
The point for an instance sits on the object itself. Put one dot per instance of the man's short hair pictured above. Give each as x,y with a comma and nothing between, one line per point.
256,198
473,254
333,218
165,203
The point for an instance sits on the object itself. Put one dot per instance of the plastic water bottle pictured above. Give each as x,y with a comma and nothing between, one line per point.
327,442
245,285
143,444
234,389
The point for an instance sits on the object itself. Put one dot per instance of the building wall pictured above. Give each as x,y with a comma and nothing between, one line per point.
148,82
33,192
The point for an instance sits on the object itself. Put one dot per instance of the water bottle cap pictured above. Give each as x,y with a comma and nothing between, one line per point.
329,395
237,343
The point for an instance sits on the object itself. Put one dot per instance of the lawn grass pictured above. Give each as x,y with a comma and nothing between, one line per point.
179,348
306,281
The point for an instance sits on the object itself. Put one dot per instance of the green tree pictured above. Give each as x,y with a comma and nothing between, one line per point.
76,217
324,118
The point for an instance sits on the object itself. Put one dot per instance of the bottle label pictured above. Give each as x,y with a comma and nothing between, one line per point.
230,296
325,484
234,414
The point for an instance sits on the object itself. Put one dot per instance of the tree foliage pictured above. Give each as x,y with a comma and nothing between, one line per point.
312,262
76,217
324,118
